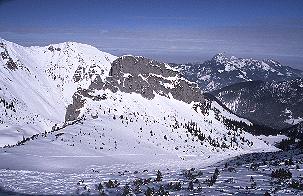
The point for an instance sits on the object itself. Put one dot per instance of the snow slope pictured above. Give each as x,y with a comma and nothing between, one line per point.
152,136
40,82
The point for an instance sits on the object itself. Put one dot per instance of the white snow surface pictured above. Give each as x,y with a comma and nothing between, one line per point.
273,139
117,136
43,85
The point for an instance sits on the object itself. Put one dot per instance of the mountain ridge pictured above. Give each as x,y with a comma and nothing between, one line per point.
221,71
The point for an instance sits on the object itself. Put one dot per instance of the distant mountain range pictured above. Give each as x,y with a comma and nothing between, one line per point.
222,71
275,104
263,91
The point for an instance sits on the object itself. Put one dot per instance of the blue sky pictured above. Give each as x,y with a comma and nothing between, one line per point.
170,30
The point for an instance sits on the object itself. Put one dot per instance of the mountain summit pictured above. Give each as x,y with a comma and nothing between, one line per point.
223,71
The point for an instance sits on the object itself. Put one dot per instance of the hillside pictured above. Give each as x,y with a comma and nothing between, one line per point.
275,104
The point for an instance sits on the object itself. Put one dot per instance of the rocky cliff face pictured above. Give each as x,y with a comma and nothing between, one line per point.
9,62
143,76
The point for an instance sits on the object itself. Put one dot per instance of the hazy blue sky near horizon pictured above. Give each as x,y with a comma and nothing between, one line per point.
169,30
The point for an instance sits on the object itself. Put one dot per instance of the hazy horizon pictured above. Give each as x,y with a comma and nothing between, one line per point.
295,62
172,31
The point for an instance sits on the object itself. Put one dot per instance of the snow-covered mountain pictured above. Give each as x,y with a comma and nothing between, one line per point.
104,104
37,84
275,104
223,71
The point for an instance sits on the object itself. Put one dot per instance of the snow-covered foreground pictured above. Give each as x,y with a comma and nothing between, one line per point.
105,142
101,149
243,175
